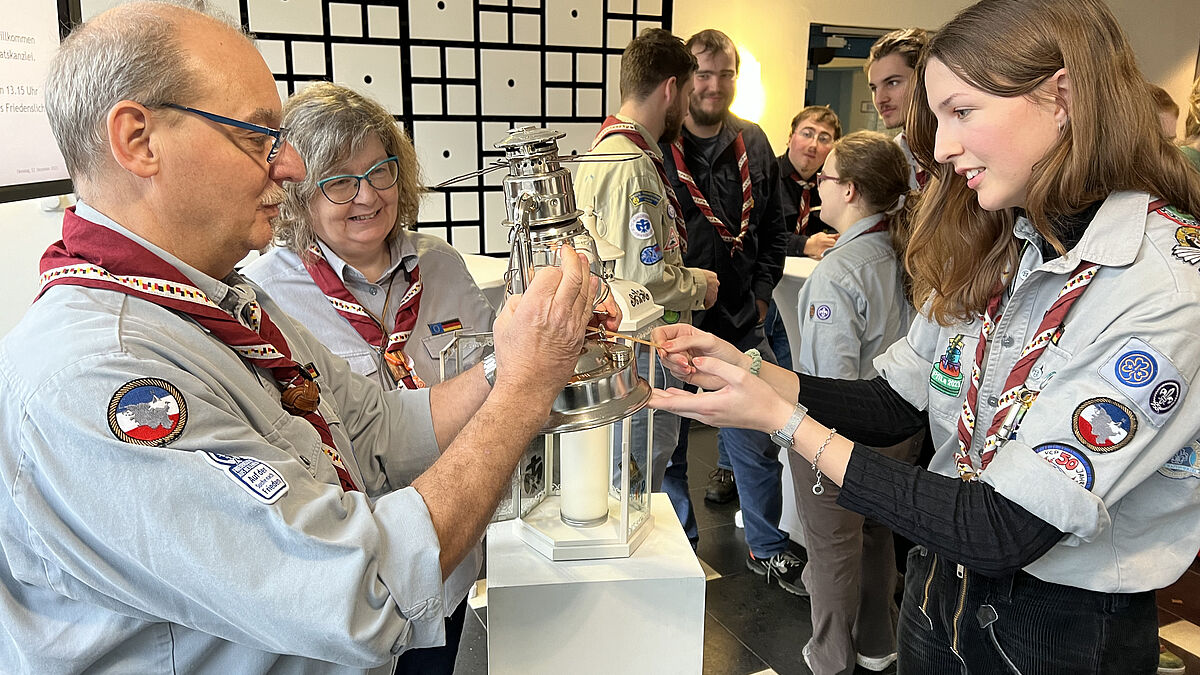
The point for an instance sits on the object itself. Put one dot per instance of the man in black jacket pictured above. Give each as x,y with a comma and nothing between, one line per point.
727,180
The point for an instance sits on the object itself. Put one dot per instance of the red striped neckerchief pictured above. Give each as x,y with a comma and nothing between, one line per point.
743,161
95,256
399,364
614,125
806,188
1016,399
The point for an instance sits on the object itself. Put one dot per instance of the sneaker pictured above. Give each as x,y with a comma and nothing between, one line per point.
785,568
721,488
875,663
1168,662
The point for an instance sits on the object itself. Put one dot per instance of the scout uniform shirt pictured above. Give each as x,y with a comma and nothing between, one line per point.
633,212
853,305
221,542
1107,452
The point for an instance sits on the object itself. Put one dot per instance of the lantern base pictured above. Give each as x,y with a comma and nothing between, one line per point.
545,532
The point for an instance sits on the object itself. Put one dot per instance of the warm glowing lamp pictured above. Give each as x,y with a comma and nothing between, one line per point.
751,98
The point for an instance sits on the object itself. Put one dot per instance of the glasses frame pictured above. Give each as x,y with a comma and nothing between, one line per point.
816,135
359,179
822,177
279,135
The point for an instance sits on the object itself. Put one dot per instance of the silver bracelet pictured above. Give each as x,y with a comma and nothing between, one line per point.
817,488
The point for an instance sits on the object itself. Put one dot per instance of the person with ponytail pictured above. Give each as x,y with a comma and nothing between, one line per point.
1055,255
852,308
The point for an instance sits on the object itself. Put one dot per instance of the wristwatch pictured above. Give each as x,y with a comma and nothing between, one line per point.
489,368
783,437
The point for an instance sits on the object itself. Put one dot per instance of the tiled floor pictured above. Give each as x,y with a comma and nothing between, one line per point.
751,627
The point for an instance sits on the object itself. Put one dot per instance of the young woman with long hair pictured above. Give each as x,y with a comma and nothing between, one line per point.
1058,268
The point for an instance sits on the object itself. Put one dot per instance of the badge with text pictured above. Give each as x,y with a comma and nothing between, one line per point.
946,375
644,197
258,478
1147,378
1183,464
1070,461
1103,425
640,226
147,411
651,255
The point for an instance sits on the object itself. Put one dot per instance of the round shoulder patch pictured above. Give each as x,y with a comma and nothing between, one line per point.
1103,425
147,411
1136,368
1070,461
640,226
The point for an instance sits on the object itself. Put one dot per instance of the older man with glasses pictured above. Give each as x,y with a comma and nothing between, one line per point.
192,482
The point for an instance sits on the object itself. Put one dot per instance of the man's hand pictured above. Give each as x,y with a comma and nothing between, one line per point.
711,283
818,243
680,343
539,334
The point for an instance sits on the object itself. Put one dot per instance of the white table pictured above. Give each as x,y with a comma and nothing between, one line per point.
642,614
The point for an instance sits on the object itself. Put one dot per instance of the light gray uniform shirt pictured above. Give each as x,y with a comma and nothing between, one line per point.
1107,453
853,306
451,304
232,548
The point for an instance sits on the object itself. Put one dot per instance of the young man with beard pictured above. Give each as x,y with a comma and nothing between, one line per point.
726,176
634,208
890,68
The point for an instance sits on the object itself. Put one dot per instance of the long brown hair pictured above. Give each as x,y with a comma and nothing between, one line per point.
1113,141
879,170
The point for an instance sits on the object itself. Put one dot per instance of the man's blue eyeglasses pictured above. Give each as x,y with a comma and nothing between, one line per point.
278,135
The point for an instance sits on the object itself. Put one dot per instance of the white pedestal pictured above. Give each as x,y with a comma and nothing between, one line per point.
642,614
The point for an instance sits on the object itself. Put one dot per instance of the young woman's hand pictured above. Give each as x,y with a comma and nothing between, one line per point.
736,398
680,343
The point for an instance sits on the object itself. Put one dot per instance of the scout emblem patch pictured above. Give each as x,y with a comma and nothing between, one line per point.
147,411
1183,464
1103,425
258,478
946,375
1187,235
639,225
1147,378
1070,461
445,327
644,197
821,312
651,255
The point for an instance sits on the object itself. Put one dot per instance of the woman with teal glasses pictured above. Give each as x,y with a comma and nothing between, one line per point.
347,265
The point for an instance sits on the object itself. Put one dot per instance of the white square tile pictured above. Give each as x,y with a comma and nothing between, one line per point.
579,136
273,52
612,95
620,6
427,99
620,32
308,58
433,208
558,102
573,23
527,3
590,67
650,7
511,81
558,67
643,25
493,27
435,231
441,19
445,149
464,206
282,88
495,235
373,70
460,62
590,102
345,20
460,99
286,16
466,241
383,22
527,29
425,61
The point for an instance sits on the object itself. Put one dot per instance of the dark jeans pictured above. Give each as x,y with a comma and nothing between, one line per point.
777,336
675,481
436,660
1019,624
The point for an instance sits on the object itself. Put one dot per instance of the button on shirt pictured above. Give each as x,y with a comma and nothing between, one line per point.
1130,520
127,558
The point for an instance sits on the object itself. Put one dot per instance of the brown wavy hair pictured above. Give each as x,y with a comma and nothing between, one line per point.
1112,141
329,123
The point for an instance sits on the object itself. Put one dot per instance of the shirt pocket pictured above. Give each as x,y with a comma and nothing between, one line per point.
434,344
1048,365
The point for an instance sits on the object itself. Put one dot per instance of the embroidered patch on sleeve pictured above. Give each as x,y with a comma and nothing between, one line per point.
821,312
1183,464
1103,425
258,478
1147,378
1070,461
1187,235
147,411
651,255
445,327
640,226
644,197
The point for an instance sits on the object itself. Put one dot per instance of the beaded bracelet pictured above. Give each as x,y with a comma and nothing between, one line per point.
817,488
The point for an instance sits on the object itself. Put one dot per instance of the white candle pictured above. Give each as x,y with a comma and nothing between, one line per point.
584,474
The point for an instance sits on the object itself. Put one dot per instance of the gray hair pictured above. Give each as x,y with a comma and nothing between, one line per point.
131,52
328,124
